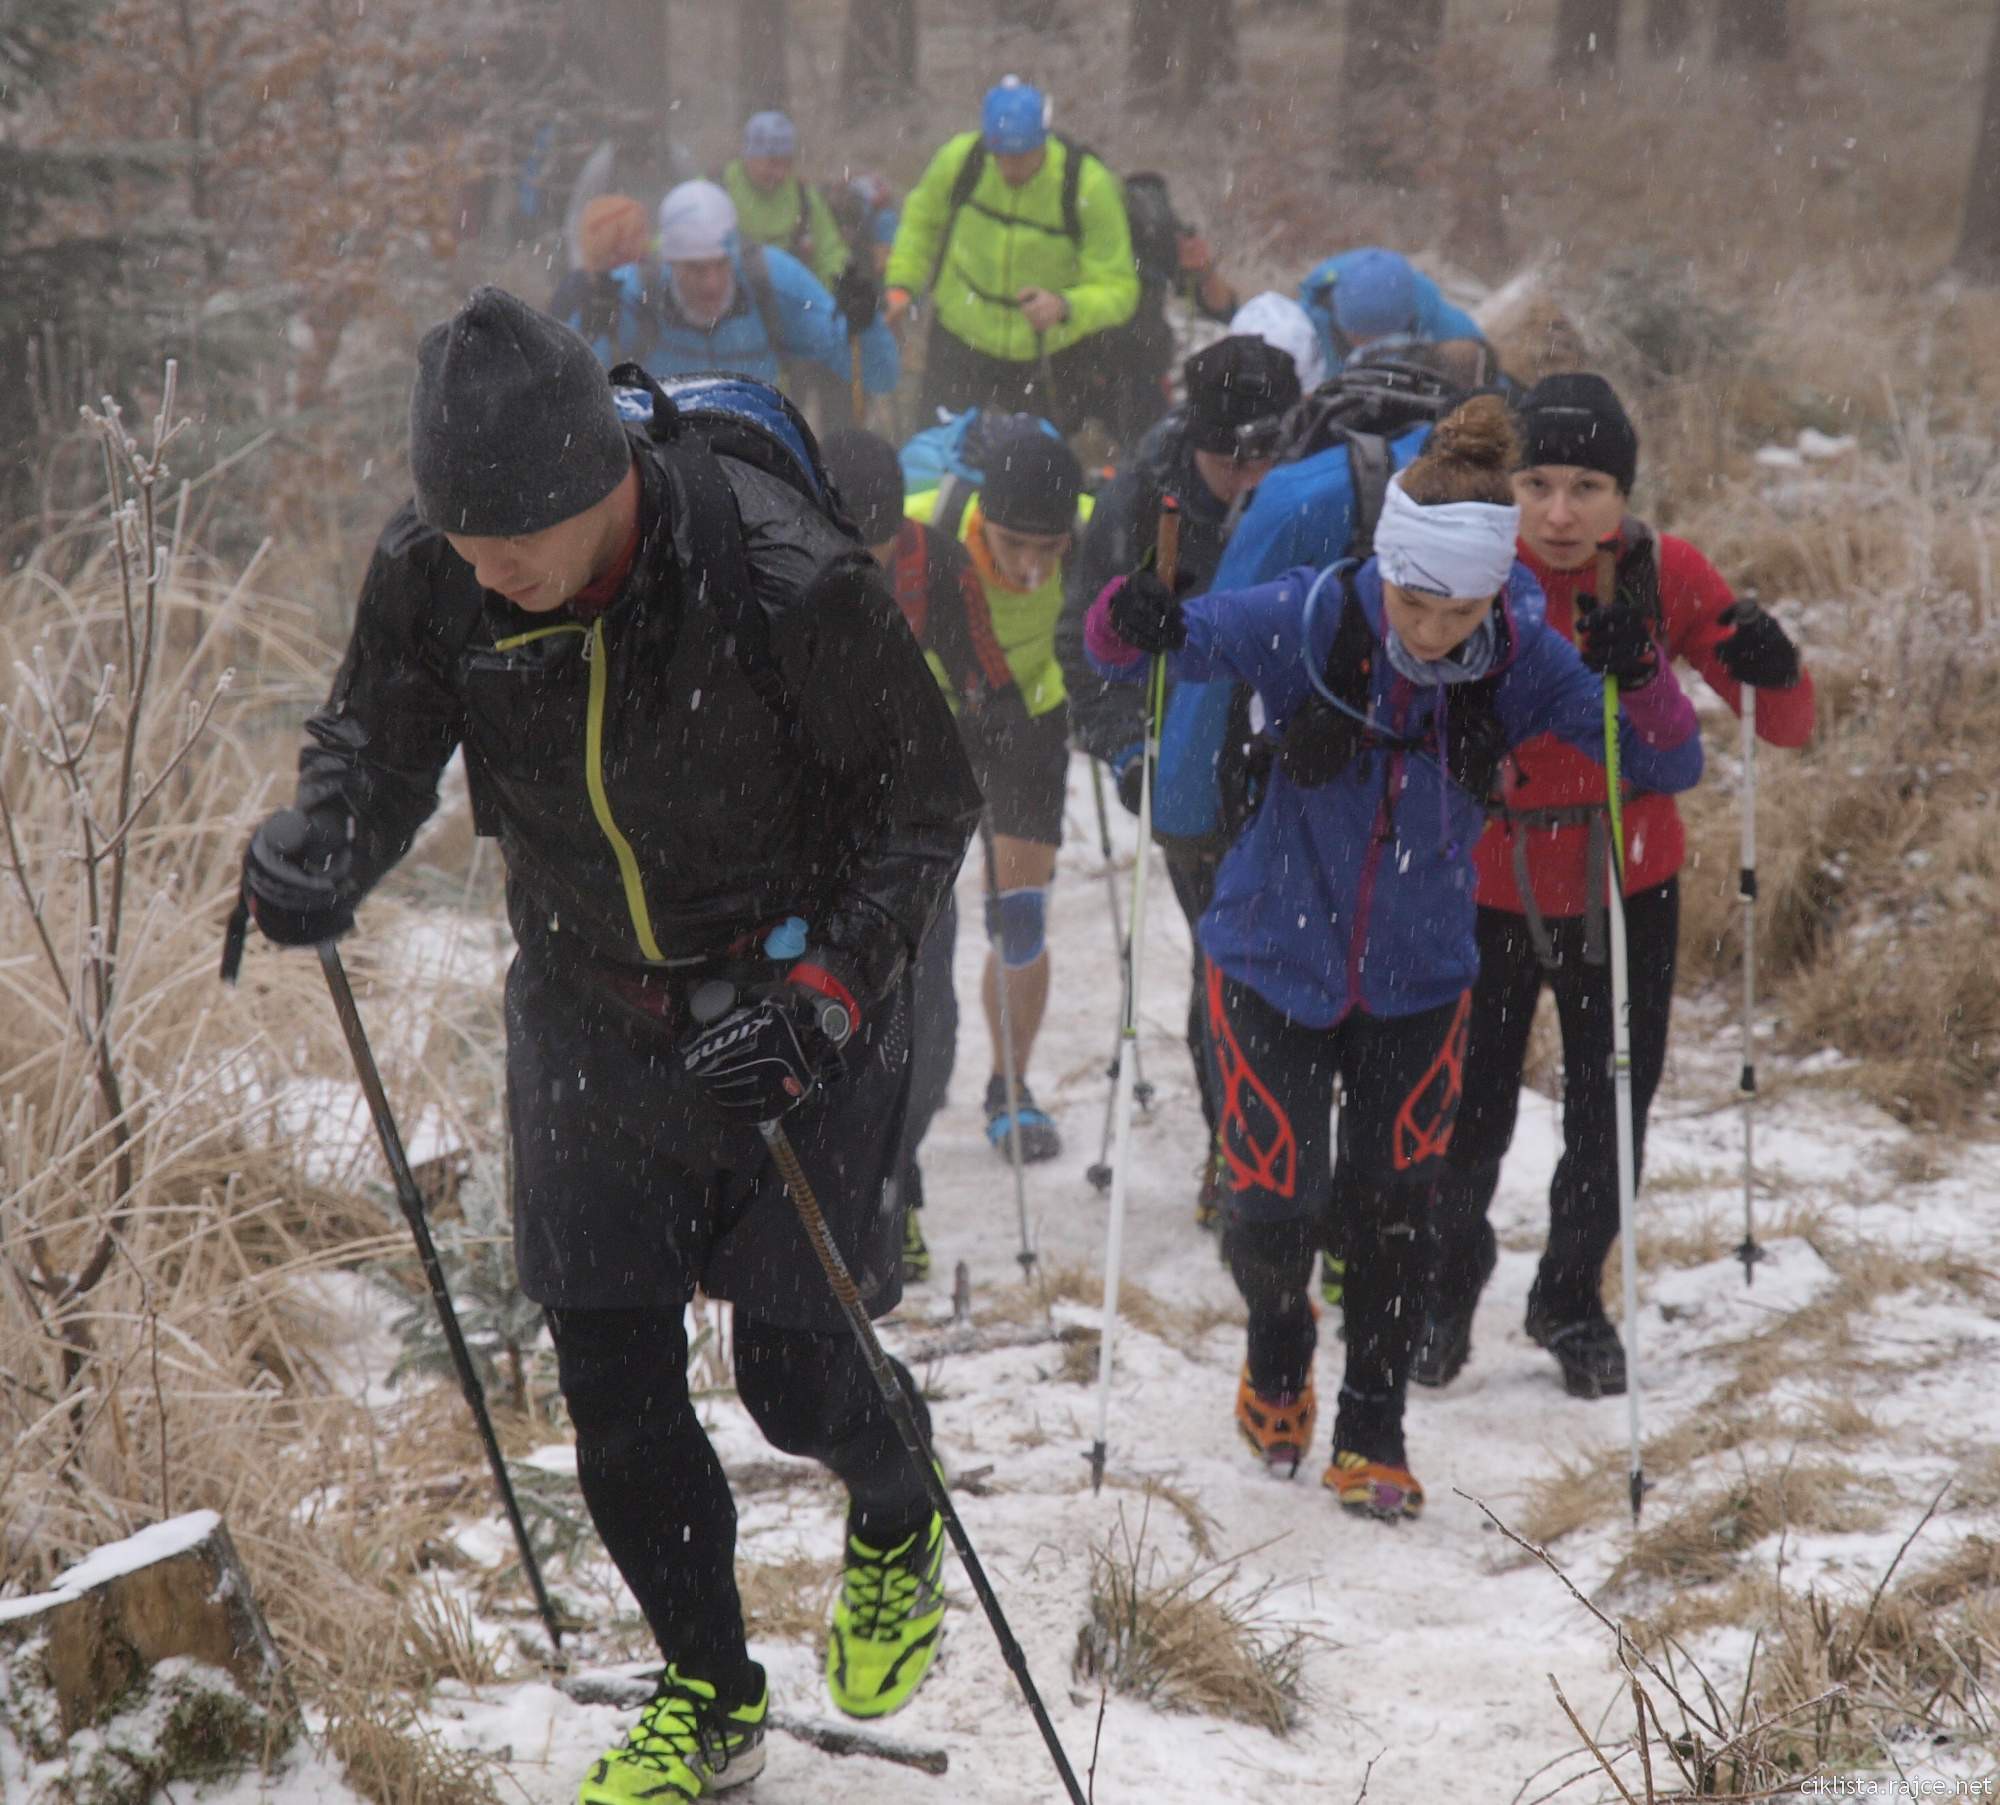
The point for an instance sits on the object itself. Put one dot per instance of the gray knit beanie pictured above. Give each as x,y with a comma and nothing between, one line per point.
512,424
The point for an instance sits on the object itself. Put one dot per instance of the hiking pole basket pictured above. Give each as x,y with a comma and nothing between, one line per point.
887,1381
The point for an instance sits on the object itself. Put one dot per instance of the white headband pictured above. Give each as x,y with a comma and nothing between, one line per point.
1459,548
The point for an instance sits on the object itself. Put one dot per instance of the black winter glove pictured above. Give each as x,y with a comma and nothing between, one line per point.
295,877
1147,614
1617,642
858,296
1759,653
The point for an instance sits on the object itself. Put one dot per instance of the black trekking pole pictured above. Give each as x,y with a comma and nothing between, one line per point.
412,1203
883,1370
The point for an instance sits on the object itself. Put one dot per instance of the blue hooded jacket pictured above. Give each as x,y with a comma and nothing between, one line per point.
1360,893
1302,514
654,333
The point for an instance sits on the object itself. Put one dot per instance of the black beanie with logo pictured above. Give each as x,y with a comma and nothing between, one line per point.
1576,418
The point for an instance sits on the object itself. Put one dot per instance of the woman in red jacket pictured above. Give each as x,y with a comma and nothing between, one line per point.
1541,873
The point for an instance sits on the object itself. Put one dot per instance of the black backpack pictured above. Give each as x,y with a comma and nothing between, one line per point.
1366,406
1156,230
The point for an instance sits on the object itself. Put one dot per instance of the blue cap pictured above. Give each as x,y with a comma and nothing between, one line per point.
1015,118
1374,294
770,135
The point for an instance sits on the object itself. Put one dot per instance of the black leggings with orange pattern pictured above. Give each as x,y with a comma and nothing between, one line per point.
1286,1173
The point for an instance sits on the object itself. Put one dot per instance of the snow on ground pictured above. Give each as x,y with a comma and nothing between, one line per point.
1434,1641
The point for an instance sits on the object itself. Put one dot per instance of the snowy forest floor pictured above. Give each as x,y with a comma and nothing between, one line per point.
1796,1430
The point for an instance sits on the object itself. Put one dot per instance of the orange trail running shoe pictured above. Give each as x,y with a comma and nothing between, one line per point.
1369,1488
1279,1428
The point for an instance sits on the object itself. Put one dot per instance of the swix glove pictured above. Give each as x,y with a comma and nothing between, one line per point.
769,1054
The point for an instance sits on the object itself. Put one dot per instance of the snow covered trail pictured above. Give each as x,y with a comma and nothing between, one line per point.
1433,1642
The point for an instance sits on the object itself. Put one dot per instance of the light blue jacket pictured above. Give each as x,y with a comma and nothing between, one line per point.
1360,893
1436,318
803,322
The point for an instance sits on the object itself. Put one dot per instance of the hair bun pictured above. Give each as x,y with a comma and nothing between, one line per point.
1478,434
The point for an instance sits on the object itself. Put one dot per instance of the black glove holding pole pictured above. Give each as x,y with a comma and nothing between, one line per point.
295,877
757,1056
1760,653
858,296
1615,638
1146,613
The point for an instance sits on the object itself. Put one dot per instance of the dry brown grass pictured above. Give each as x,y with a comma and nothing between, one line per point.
788,1600
1705,1539
1192,1642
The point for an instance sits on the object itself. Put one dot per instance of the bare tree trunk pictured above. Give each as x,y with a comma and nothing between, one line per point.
1979,239
761,35
878,56
1208,47
1669,26
1385,83
1753,30
1586,36
1150,48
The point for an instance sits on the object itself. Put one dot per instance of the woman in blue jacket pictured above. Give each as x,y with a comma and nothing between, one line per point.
1340,942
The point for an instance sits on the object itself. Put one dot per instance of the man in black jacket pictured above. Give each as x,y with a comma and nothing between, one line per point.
1209,455
710,750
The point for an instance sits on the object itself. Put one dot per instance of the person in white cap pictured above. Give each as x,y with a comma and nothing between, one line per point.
712,303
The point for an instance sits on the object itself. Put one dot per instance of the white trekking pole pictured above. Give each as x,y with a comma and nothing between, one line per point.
1621,1059
1009,1070
1099,1174
1166,556
1746,890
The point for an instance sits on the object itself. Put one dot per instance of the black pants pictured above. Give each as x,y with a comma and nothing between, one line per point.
1583,1199
657,1493
1284,1172
1191,869
933,1044
1063,388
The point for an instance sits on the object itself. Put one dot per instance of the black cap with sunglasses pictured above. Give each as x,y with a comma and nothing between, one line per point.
1239,390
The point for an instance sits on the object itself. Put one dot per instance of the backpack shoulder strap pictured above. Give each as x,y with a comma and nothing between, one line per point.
1368,468
763,297
962,186
1072,217
954,496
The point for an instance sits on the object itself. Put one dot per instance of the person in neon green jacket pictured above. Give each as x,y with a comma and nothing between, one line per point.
1017,529
774,207
1022,242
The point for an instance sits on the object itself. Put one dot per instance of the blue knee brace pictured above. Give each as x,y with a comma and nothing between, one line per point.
1017,921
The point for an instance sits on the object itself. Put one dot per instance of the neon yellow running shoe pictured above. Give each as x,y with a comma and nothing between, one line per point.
916,1250
1332,1280
886,1623
684,1746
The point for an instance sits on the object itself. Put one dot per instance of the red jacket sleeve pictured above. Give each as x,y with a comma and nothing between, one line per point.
1693,596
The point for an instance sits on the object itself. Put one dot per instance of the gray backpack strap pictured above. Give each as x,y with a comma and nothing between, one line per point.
1368,467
